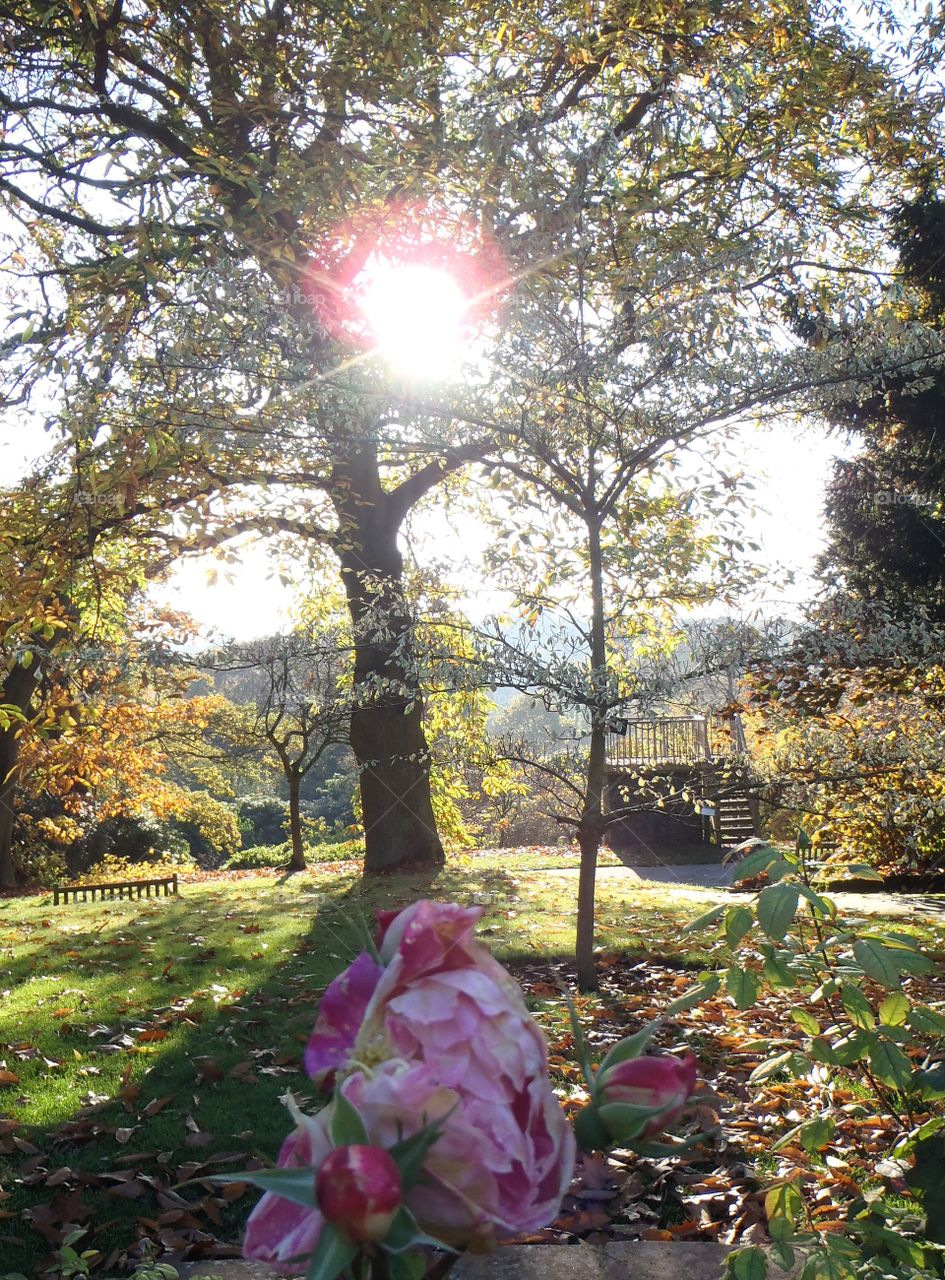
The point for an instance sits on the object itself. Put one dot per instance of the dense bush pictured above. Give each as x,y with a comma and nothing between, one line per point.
138,838
865,766
113,869
277,855
209,827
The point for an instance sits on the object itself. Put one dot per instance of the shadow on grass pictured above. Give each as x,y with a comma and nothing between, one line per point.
177,1090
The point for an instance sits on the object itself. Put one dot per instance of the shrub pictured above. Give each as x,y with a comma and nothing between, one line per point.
114,869
863,1022
208,825
135,838
277,855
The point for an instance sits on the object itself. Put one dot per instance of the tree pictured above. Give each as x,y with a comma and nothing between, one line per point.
259,157
885,507
302,705
623,546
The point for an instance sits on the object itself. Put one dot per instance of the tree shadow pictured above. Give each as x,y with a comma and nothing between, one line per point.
196,1091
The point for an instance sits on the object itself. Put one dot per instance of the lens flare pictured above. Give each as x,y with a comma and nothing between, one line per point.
418,317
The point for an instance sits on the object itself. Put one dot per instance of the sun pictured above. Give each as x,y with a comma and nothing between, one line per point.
418,316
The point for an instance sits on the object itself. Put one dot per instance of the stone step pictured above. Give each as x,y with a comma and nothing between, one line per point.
629,1260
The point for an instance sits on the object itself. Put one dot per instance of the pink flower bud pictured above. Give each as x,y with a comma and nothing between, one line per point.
660,1080
359,1191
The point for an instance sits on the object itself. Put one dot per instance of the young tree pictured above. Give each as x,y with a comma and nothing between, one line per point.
202,280
302,703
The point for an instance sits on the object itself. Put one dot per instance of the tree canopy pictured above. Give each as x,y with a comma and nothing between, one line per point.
197,193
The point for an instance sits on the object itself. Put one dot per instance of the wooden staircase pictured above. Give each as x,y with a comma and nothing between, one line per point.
674,754
734,822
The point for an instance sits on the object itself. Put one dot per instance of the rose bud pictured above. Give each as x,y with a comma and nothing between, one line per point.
661,1080
635,1100
358,1189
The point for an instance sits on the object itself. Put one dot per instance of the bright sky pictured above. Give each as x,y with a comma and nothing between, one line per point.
790,466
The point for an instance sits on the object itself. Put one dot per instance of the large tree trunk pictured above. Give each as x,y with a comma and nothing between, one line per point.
386,721
17,690
297,860
592,823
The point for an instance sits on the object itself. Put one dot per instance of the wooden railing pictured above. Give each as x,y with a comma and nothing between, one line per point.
133,888
674,740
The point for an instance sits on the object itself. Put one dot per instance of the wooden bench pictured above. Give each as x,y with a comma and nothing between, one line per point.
133,888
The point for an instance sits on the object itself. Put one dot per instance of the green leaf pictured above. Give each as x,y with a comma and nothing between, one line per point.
806,1021
859,1010
742,985
930,1082
861,871
822,906
843,1052
777,973
926,1020
347,1127
894,1010
629,1047
817,1133
622,1116
783,1254
297,1185
927,1180
784,1201
332,1254
410,1153
798,1064
405,1234
915,962
890,1064
703,921
748,1263
757,861
776,909
695,995
407,1266
877,962
738,922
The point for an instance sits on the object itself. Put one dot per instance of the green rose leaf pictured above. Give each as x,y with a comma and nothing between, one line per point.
347,1127
859,1009
777,907
332,1255
695,995
894,1010
755,862
738,922
742,985
747,1264
703,921
890,1064
877,961
297,1185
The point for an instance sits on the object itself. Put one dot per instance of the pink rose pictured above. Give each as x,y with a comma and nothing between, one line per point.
440,1001
339,1016
494,1170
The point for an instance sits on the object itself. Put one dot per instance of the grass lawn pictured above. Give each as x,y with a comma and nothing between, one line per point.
145,1043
